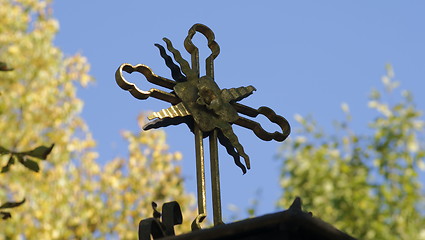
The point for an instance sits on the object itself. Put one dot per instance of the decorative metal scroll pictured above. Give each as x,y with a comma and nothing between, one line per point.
171,216
208,111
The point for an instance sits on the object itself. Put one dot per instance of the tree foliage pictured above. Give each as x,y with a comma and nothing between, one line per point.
72,196
27,160
367,185
23,157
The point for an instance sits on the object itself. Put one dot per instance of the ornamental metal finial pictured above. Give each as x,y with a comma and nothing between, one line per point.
205,108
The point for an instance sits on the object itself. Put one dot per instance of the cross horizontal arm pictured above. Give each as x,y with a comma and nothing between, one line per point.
174,99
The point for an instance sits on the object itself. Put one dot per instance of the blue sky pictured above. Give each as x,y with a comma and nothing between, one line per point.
304,57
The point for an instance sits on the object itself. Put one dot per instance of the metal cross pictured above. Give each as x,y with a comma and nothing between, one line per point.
208,111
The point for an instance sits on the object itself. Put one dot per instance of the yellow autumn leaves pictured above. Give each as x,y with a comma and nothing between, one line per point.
73,196
365,184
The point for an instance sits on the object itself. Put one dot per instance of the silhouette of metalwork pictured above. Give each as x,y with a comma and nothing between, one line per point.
208,111
291,224
161,225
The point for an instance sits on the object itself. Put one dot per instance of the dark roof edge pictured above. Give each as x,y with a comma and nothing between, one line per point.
290,220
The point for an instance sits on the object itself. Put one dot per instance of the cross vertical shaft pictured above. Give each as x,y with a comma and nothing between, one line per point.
215,170
199,155
200,168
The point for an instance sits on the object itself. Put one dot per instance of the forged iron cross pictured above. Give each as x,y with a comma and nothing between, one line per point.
208,111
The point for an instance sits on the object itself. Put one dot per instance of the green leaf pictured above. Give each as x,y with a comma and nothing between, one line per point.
5,215
40,152
9,163
12,204
4,67
3,151
28,163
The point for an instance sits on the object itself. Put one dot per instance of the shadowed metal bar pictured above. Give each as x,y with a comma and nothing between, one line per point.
215,179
